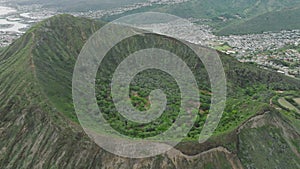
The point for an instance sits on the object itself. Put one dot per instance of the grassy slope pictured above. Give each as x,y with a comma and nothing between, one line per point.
55,56
228,9
270,137
297,100
287,104
34,132
275,21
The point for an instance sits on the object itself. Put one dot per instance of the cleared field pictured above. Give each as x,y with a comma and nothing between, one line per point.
287,104
223,48
297,100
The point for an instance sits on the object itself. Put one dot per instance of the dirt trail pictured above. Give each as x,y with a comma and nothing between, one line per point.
231,157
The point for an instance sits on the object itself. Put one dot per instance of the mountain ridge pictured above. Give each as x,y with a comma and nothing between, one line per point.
274,21
227,17
37,130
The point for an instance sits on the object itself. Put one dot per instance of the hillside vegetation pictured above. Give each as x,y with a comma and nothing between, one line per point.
234,17
39,128
275,21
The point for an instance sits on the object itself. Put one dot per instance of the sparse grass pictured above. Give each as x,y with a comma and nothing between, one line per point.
222,48
287,105
297,100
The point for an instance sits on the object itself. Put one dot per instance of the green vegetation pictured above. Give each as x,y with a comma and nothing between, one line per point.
144,83
247,96
38,122
288,101
287,104
234,17
262,157
223,47
54,60
297,100
287,19
54,55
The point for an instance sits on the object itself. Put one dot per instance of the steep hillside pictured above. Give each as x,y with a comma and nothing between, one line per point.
215,8
39,129
275,21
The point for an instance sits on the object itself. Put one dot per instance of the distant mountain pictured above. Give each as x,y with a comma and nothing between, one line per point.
80,5
275,21
232,16
217,8
39,129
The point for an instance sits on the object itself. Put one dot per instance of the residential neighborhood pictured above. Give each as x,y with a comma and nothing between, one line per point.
278,51
263,49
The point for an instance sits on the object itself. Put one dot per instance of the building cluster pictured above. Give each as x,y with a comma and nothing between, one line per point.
264,49
33,13
120,10
277,51
269,50
7,38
